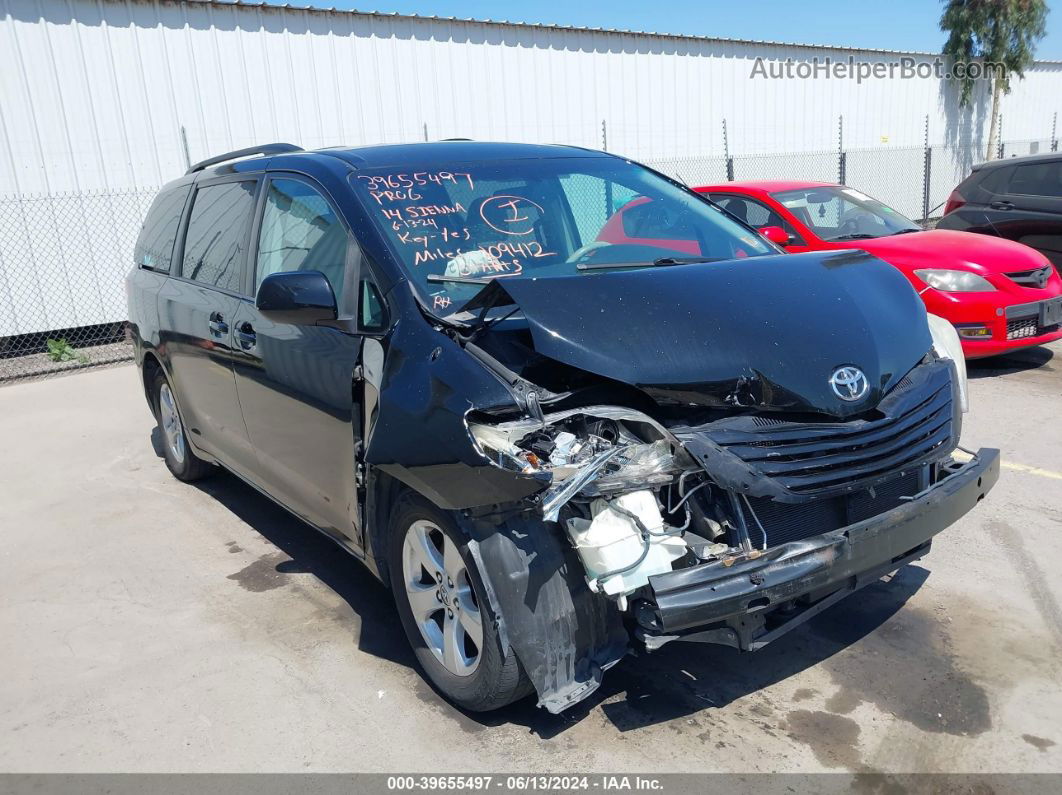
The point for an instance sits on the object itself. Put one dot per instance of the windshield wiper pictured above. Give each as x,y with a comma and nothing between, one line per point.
906,232
661,261
856,236
441,277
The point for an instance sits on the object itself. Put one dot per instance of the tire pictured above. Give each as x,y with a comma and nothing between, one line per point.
181,461
475,676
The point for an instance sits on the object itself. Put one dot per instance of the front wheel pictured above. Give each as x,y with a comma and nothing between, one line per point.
181,461
449,624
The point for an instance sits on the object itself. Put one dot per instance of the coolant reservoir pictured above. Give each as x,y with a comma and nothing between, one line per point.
612,541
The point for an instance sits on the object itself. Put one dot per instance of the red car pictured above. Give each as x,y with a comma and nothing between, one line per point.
1000,295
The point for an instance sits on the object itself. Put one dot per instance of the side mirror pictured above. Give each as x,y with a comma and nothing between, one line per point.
775,234
302,298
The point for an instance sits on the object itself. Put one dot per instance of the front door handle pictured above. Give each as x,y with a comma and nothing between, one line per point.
217,325
246,336
1001,205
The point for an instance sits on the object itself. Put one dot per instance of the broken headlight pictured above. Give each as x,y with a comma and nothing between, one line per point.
589,451
947,346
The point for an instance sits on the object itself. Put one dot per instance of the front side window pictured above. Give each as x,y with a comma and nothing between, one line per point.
836,213
154,246
217,230
455,227
300,231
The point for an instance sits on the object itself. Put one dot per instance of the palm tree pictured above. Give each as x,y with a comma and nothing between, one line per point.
993,31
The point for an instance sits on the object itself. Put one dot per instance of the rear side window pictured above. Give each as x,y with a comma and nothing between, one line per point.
217,231
995,181
154,246
1037,179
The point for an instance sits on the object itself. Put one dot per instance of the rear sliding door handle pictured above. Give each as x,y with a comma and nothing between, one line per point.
1001,205
217,325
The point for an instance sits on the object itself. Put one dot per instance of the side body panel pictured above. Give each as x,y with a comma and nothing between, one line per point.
195,331
427,384
198,352
295,386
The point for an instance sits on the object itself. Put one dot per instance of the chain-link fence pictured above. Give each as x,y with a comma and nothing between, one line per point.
63,261
914,181
64,257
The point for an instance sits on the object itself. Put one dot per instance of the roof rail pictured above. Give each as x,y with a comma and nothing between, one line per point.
264,149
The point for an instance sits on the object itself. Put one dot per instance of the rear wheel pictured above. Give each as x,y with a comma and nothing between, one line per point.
181,461
449,623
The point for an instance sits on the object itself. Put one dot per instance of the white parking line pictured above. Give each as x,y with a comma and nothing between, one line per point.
1028,470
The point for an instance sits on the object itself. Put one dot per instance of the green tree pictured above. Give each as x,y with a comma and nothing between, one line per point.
993,31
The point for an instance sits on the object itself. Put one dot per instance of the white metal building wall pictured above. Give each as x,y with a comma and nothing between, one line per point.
93,94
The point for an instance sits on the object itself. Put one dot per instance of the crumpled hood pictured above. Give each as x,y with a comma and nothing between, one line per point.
763,332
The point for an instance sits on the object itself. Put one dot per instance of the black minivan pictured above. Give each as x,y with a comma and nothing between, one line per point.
562,405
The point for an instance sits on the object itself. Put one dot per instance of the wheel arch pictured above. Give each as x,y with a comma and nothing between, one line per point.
148,370
382,493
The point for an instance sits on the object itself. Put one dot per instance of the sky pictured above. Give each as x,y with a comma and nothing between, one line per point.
878,24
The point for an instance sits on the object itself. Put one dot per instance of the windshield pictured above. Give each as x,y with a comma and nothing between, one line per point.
837,213
459,226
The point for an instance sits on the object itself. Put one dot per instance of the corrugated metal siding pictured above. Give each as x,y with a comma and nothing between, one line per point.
95,93
94,96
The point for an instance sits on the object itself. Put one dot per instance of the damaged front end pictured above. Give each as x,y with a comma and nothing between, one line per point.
729,531
730,491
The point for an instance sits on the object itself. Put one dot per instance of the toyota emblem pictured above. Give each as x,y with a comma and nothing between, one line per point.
849,383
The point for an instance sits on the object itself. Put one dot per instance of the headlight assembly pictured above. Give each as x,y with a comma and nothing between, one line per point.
951,281
587,451
947,346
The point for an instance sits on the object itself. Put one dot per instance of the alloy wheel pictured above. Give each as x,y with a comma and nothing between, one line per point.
441,597
171,423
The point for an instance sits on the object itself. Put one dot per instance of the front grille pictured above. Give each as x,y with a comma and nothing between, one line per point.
784,523
1037,277
1027,327
801,460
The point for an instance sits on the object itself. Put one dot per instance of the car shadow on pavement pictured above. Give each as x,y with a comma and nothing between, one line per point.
1026,359
310,552
680,680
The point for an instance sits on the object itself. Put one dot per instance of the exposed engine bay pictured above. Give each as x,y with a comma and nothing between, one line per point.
623,489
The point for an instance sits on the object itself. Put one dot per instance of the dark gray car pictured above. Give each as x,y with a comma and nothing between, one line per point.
1019,199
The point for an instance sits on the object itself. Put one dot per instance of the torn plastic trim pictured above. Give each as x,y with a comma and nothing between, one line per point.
557,496
564,636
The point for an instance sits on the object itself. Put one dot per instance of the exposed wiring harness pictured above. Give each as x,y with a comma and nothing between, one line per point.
684,496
